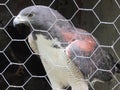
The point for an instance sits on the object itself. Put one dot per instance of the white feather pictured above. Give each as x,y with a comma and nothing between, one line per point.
60,70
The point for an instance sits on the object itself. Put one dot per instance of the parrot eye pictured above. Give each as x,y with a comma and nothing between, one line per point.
30,15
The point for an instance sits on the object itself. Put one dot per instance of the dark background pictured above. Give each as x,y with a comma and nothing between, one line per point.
19,66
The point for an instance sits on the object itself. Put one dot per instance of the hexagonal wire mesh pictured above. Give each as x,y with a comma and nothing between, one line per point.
21,68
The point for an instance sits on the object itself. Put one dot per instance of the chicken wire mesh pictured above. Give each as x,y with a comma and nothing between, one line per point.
21,68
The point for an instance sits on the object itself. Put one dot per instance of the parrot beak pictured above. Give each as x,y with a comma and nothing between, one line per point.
21,25
16,21
19,20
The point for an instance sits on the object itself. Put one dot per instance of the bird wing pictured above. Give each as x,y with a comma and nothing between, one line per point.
78,51
82,45
81,49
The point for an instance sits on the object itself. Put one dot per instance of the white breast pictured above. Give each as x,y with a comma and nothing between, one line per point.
55,62
53,59
47,52
32,44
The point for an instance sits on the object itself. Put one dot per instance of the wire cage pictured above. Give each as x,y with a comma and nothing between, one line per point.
22,69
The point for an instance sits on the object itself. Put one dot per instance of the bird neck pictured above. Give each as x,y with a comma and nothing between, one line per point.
61,30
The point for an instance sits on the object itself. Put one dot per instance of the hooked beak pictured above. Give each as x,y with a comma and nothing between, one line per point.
20,20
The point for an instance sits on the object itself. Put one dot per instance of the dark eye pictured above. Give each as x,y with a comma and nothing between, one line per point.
30,15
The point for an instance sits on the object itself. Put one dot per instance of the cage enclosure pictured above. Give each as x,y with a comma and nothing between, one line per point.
21,68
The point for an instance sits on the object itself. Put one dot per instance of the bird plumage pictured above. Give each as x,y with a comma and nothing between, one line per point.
72,53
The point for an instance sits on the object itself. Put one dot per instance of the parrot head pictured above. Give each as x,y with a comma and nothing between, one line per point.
39,17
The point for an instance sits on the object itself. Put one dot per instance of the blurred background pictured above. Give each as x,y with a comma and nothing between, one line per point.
21,69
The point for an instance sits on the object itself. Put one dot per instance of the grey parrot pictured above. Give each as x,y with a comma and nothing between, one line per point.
71,56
